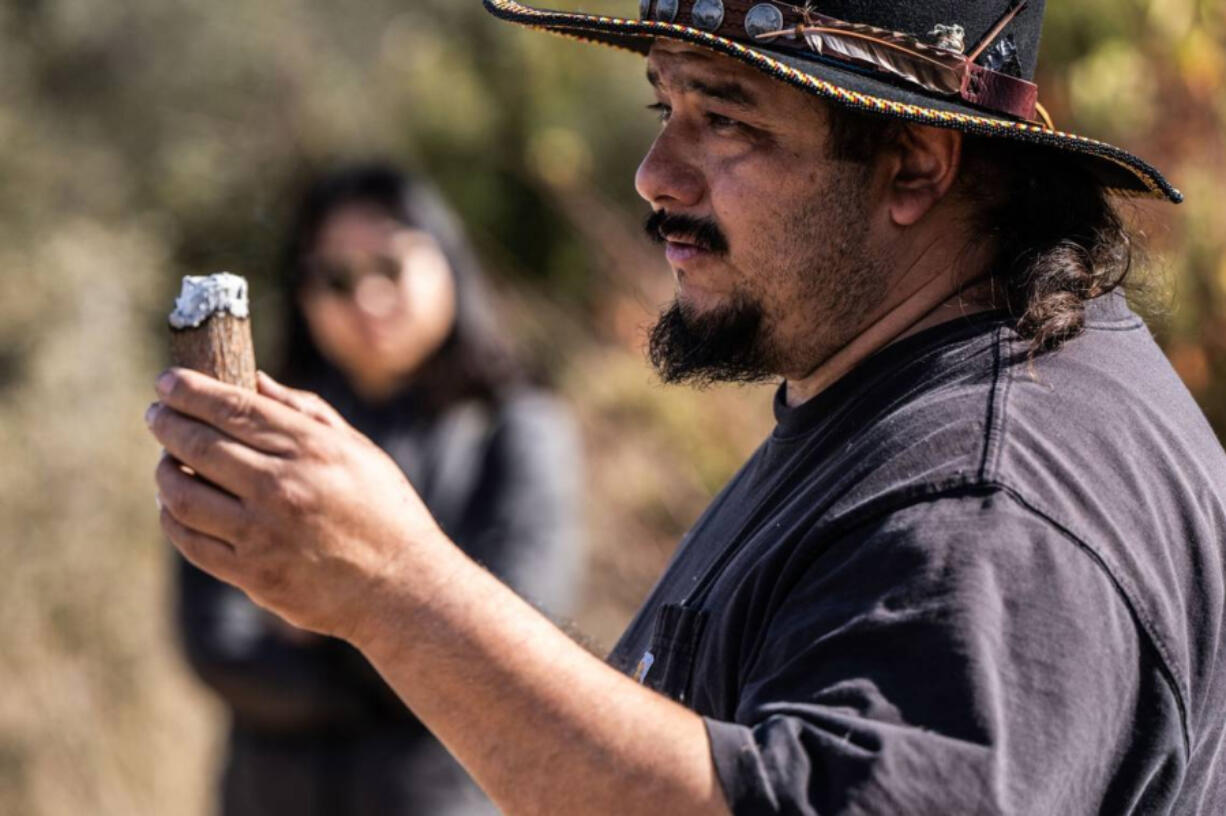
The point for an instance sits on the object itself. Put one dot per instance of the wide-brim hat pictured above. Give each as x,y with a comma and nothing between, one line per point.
967,65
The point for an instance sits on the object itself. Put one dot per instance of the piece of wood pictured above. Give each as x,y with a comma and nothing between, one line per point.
220,347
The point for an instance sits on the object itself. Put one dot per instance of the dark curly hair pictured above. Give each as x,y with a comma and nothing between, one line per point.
1059,240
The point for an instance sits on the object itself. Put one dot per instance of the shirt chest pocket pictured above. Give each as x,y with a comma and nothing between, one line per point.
668,666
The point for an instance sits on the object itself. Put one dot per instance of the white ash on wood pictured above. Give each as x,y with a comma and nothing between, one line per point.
210,329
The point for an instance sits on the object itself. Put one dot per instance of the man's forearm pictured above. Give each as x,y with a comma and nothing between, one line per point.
314,522
542,725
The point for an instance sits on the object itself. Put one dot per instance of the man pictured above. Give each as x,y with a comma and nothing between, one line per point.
975,569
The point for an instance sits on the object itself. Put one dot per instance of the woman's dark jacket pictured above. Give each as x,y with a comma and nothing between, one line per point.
315,730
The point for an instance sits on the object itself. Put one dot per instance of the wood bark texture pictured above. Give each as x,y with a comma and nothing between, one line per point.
220,347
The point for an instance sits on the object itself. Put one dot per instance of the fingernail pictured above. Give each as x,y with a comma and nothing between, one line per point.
157,498
165,380
151,412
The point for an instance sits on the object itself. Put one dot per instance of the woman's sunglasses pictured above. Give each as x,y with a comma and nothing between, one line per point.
341,276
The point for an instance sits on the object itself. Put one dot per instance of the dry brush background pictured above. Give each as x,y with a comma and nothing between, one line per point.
153,138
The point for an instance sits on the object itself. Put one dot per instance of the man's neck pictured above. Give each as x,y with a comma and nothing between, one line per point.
939,299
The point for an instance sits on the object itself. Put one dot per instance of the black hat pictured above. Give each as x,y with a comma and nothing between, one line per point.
961,64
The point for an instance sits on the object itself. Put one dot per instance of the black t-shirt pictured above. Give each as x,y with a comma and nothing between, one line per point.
962,581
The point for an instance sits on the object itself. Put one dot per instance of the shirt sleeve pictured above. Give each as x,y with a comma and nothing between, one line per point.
524,520
962,655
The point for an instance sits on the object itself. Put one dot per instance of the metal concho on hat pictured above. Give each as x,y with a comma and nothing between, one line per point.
664,11
763,18
707,15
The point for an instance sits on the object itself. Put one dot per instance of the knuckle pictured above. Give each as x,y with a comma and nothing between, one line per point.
164,423
316,403
197,443
314,446
174,501
157,421
264,485
320,447
162,475
235,407
294,497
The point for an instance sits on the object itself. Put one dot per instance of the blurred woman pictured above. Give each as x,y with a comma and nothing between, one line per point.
390,322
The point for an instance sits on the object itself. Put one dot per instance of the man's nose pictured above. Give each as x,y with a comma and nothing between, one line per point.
667,178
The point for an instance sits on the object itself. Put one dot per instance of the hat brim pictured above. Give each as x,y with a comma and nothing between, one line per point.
1120,171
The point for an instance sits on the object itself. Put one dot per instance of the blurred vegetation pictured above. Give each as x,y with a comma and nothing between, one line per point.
149,139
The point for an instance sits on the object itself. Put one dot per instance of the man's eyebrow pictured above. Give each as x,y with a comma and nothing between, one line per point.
729,91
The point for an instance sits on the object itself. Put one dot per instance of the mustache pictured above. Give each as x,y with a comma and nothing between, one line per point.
703,233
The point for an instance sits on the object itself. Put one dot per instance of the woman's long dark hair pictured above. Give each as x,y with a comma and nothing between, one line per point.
473,362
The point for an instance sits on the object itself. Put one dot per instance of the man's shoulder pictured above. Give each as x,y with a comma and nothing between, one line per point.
1099,441
1104,438
980,411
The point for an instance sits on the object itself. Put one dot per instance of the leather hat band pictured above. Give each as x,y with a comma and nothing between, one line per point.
935,63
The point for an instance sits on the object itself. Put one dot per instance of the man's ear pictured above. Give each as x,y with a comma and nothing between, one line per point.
922,166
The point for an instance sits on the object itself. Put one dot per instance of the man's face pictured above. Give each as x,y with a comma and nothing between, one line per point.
768,236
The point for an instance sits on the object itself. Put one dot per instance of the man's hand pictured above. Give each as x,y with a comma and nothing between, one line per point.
292,505
315,523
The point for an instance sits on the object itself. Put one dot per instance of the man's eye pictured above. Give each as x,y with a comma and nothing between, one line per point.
722,122
661,110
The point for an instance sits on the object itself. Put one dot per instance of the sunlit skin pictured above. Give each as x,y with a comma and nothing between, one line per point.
735,150
829,248
317,524
379,334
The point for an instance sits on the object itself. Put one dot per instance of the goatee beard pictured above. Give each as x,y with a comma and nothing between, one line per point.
728,344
